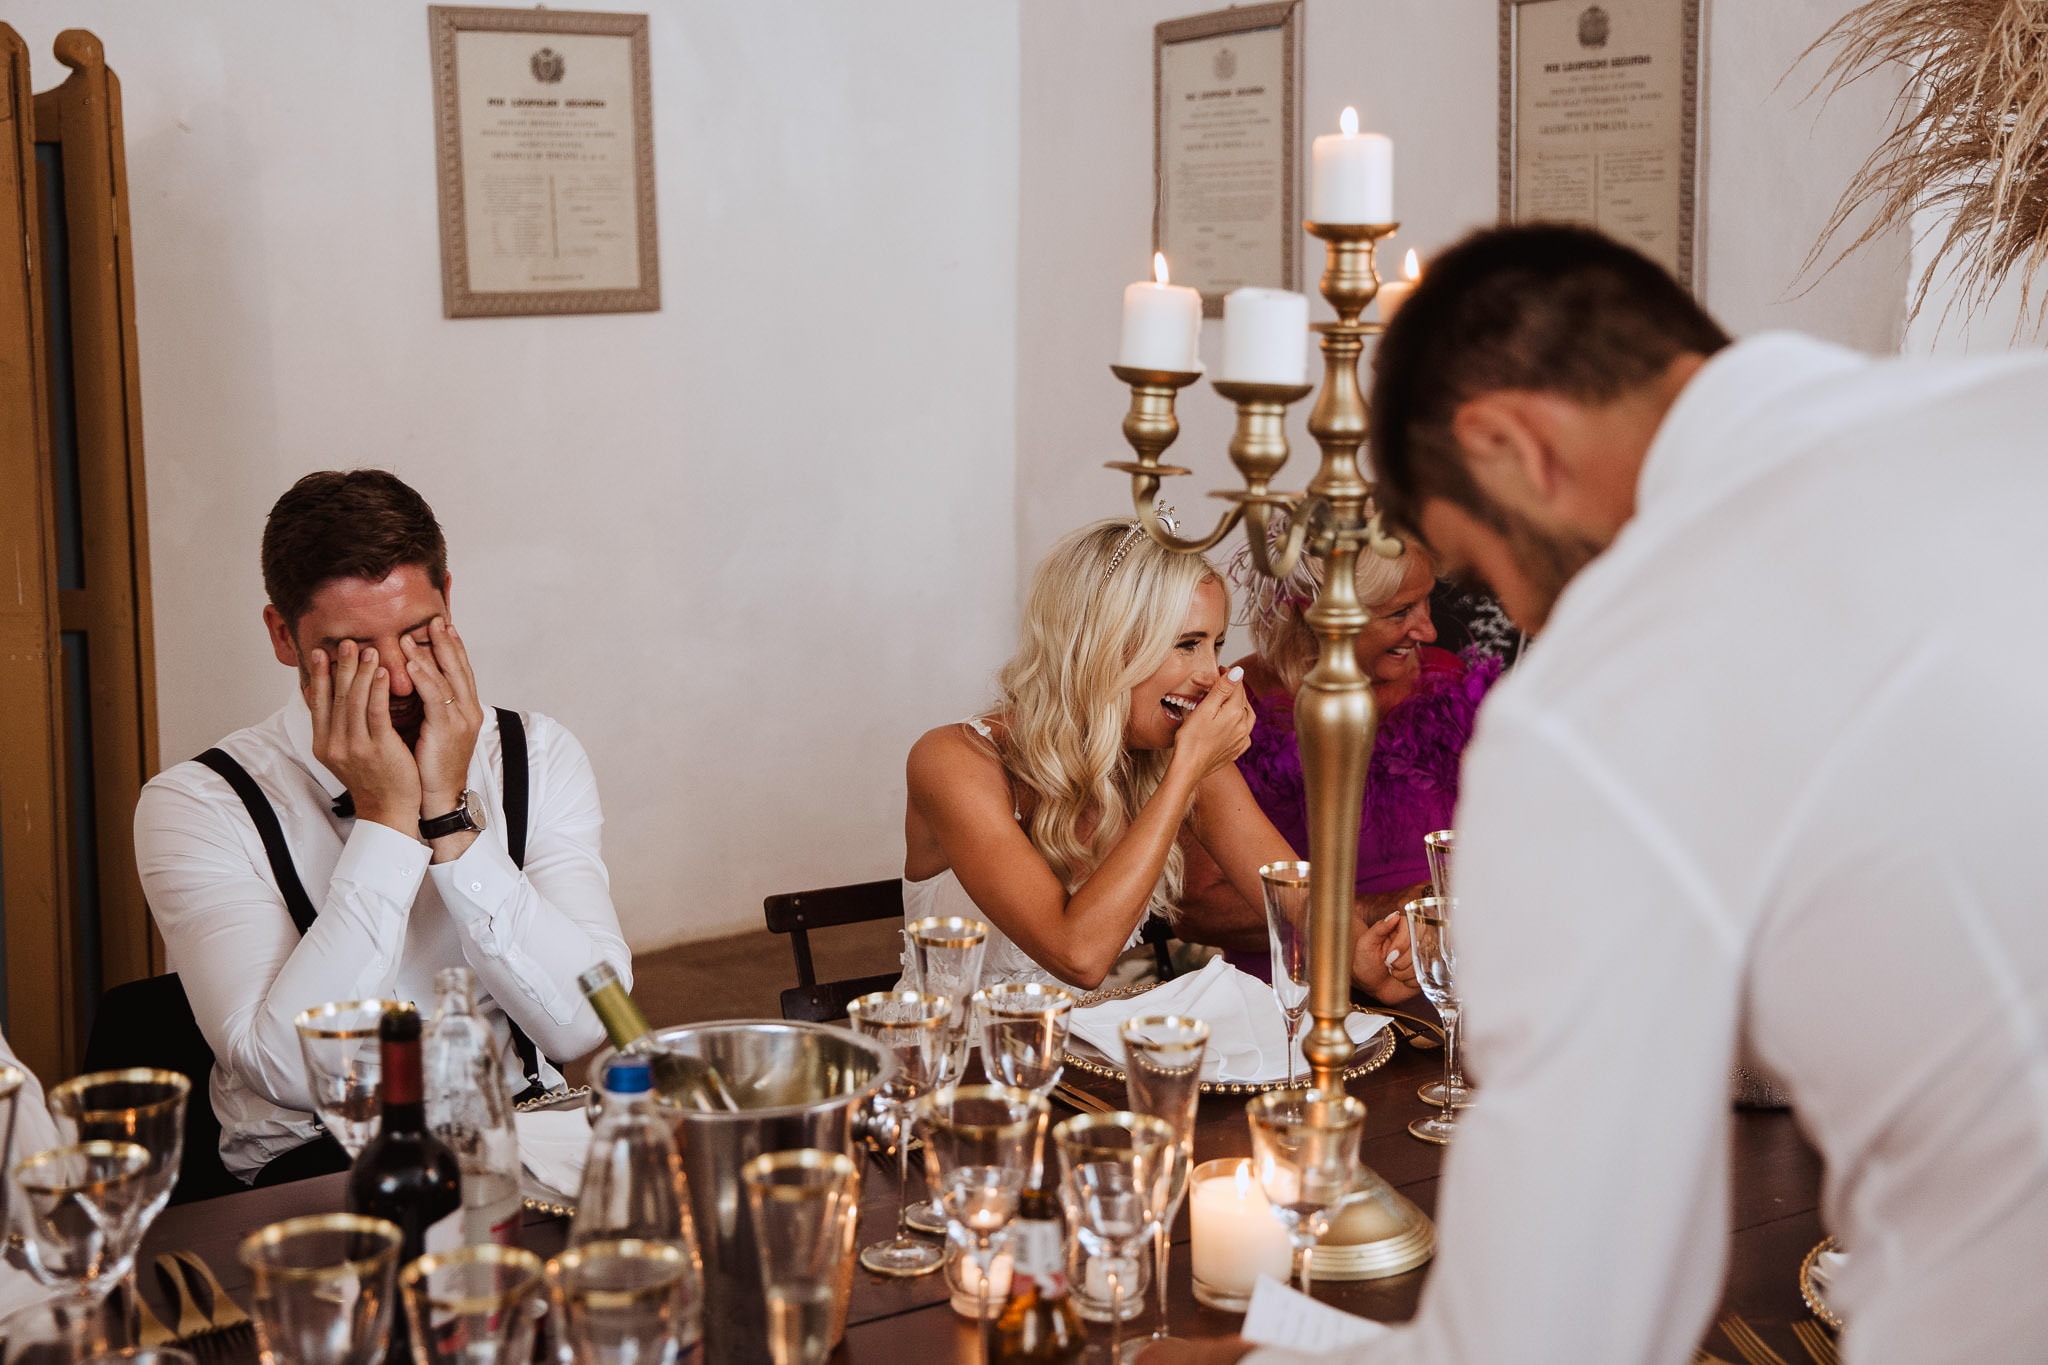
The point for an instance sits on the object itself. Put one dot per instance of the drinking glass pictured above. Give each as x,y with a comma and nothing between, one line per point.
1287,933
344,1066
912,1026
1436,965
476,1305
1438,845
80,1213
978,1144
1163,1078
1305,1153
1110,1180
626,1302
1024,1026
322,1288
56,1331
139,1105
804,1203
945,959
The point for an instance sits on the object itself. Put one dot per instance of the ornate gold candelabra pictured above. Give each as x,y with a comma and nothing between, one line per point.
1334,715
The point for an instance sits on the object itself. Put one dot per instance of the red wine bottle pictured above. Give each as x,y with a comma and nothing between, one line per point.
406,1174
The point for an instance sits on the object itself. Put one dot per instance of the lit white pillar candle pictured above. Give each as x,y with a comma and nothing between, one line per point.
1162,324
1236,1237
1394,293
1354,176
1265,336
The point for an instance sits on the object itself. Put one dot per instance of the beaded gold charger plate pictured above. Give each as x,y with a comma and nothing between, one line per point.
540,1197
1814,1289
1371,1055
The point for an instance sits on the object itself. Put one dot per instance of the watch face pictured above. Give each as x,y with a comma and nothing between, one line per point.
474,804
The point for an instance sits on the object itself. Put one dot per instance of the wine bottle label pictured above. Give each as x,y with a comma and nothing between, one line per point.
444,1235
1037,1248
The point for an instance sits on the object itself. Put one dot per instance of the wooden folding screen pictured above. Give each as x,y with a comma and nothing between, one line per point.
78,700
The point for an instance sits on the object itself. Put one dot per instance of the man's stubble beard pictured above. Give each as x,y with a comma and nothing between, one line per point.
1548,561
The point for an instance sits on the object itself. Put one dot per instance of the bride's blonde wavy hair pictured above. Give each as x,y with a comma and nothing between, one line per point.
1091,634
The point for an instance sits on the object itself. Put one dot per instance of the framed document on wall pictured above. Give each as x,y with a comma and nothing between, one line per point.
544,140
1599,121
1224,134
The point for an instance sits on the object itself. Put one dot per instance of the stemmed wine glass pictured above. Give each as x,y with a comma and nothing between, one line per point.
1110,1178
1287,933
1453,1089
1436,964
476,1305
323,1288
1163,1078
625,1301
945,959
1024,1028
79,1213
1438,845
1305,1153
978,1144
912,1026
344,1067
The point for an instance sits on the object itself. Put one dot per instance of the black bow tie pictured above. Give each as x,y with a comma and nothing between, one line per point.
345,807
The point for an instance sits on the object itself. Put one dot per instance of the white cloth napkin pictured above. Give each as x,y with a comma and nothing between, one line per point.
1292,1321
553,1144
1247,1035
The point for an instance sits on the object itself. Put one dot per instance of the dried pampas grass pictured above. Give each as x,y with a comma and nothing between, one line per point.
1970,140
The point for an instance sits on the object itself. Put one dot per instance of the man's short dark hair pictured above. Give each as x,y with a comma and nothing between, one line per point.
355,523
1547,307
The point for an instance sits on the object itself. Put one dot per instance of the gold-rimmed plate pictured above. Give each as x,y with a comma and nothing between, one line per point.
1371,1055
1814,1290
535,1195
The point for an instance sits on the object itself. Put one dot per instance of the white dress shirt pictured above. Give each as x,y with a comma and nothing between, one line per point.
387,920
1776,778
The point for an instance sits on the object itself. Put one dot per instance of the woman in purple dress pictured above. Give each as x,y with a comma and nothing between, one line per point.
1427,699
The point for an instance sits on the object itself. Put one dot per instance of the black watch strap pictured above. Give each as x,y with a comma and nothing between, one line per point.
461,818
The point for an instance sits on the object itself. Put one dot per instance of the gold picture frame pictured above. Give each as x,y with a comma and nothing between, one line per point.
1600,121
545,159
1226,132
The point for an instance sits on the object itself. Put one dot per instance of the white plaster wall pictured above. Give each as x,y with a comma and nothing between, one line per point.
747,547
1425,72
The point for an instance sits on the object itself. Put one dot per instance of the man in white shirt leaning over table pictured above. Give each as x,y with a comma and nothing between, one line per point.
411,828
1772,781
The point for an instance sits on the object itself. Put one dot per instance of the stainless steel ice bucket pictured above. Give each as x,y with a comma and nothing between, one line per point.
798,1085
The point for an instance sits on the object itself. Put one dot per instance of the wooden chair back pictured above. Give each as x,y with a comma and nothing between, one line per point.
796,913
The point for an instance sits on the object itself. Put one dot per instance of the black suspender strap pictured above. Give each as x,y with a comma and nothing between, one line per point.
258,805
512,744
511,741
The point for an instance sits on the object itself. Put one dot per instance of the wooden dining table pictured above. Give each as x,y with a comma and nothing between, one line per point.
1774,1221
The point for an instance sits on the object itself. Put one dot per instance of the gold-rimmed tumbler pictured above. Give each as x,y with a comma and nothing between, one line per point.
61,1330
344,1067
1436,968
476,1305
1163,1077
978,1146
323,1288
1287,939
912,1026
804,1204
1304,1155
625,1303
1110,1180
79,1213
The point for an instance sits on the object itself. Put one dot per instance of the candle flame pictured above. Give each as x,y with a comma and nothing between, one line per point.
1159,267
1244,1179
1411,267
1347,121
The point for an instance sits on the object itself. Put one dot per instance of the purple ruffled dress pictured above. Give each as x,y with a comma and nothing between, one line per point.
1411,786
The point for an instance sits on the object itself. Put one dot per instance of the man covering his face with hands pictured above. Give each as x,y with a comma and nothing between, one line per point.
413,827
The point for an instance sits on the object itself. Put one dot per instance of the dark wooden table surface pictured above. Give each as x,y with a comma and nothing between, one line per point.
1774,1221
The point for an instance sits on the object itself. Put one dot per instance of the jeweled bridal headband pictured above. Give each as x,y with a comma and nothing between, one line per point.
1166,518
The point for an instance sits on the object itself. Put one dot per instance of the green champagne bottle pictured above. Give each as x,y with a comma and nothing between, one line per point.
688,1082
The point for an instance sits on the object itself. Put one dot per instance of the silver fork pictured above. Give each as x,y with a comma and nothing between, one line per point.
1818,1341
1751,1347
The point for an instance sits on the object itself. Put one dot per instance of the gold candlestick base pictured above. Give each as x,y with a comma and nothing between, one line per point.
1381,1234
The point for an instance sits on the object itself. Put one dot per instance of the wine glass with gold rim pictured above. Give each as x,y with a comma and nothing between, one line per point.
323,1288
344,1067
945,958
804,1205
912,1026
475,1305
1163,1078
1287,937
1436,965
80,1213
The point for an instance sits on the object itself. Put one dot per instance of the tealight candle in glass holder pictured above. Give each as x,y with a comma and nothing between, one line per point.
963,1280
1236,1239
